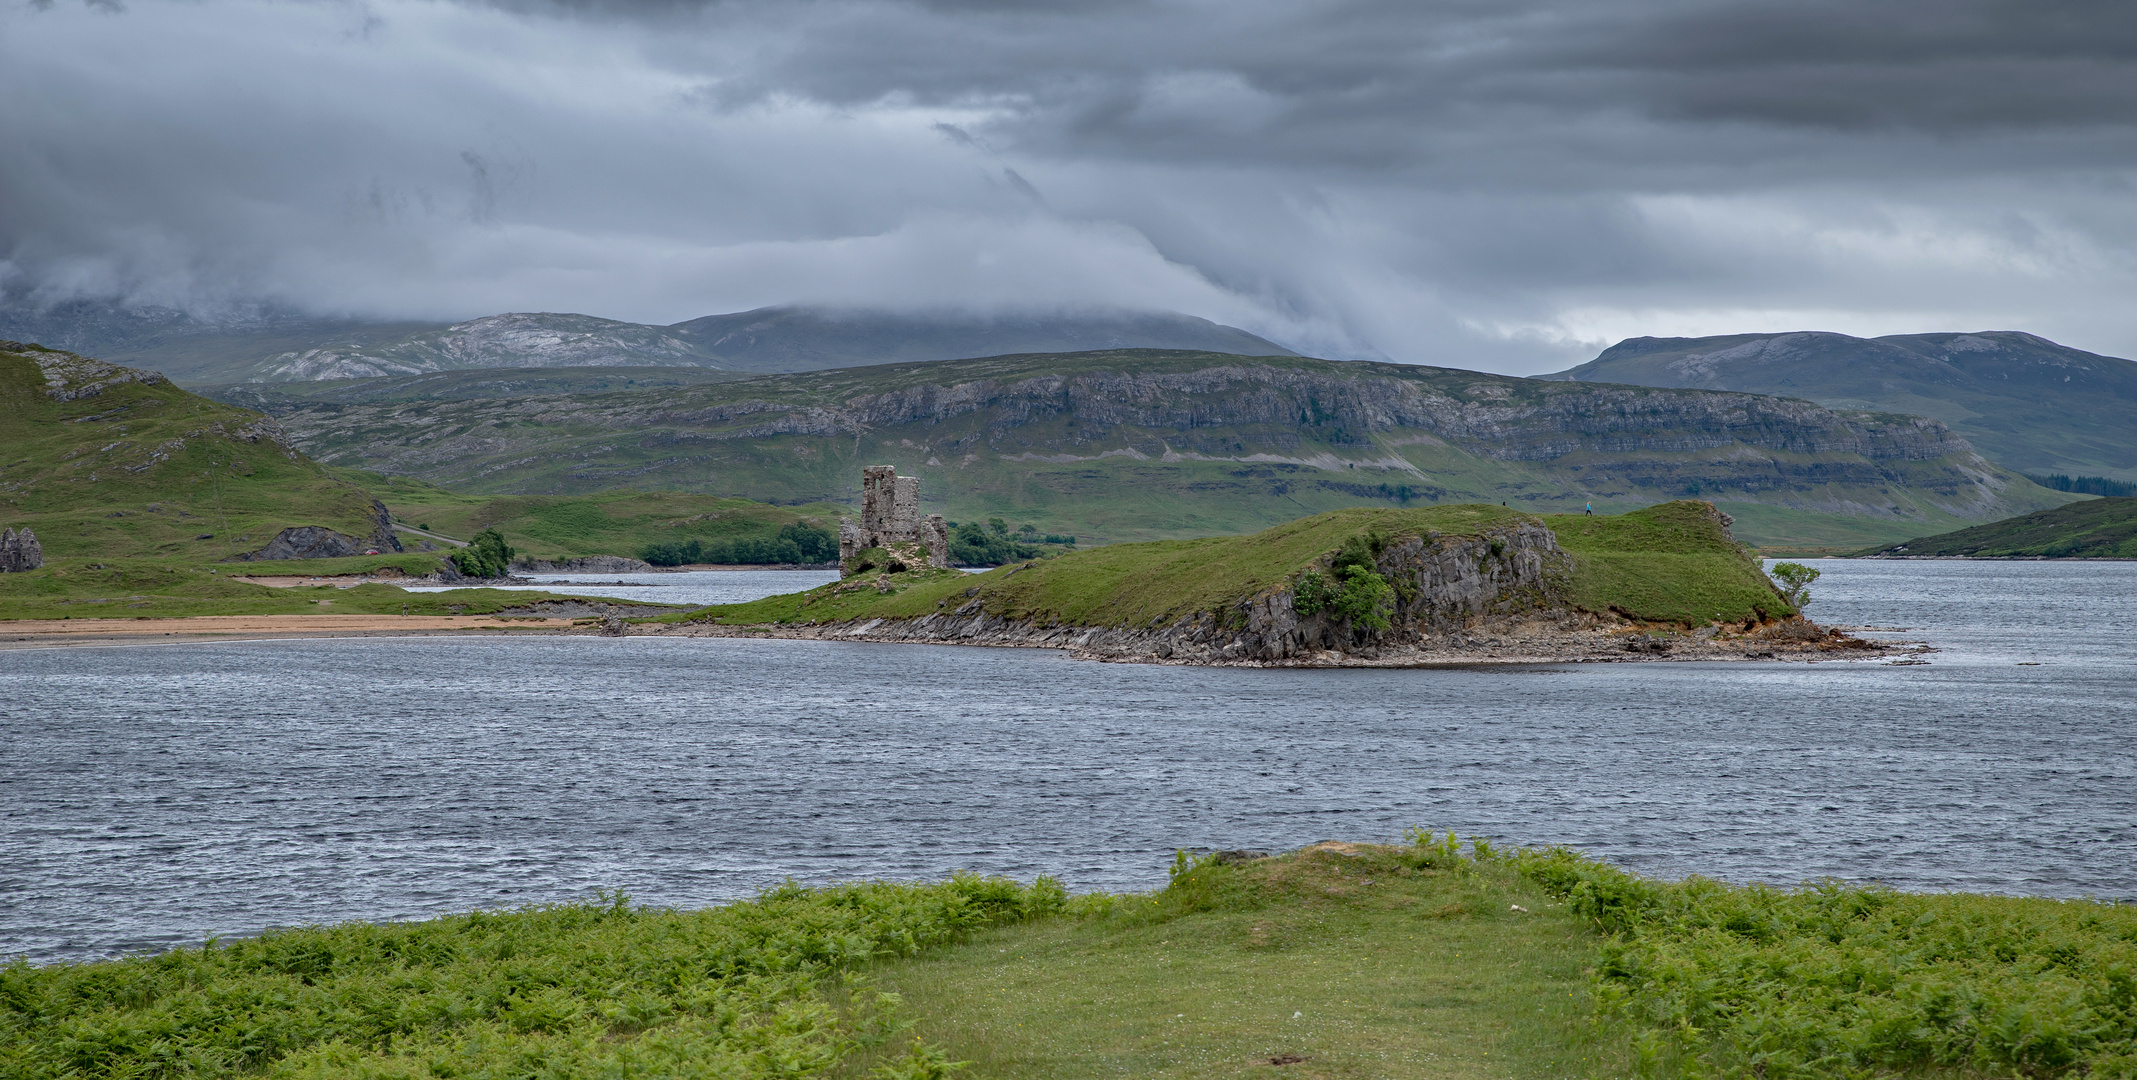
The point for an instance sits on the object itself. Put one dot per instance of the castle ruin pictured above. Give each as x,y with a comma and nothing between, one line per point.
20,551
891,520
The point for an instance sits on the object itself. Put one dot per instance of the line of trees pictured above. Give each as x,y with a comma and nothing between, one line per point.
799,542
972,544
2087,485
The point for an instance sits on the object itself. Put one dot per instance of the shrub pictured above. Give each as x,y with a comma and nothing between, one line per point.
1839,980
1793,580
485,556
1353,590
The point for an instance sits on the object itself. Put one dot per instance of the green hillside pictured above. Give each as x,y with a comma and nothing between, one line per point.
112,462
603,523
1670,563
2093,529
1142,444
2025,402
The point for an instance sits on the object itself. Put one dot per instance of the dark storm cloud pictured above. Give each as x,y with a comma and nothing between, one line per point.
1500,184
1627,87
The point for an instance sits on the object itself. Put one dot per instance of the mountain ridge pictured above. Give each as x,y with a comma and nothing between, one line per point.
283,347
2024,401
1141,443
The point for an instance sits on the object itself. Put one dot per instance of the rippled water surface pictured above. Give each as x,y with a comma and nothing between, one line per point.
153,795
671,586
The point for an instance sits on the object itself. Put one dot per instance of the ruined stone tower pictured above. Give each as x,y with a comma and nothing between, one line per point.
20,551
891,519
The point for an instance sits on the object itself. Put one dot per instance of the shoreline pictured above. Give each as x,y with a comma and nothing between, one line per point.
1493,643
1508,640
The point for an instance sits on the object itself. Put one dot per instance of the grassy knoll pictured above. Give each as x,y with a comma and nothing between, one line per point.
1151,583
2093,529
602,523
149,588
133,467
1417,960
1668,563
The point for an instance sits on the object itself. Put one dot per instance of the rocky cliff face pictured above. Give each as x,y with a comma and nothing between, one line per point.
320,542
1442,584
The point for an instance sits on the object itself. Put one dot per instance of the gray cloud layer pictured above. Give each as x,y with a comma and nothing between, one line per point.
1504,185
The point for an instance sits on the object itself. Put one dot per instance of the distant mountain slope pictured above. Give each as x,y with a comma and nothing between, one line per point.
785,339
2093,529
1137,443
290,348
103,460
460,385
2025,402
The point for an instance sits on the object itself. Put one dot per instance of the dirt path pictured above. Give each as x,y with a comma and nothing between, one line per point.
49,633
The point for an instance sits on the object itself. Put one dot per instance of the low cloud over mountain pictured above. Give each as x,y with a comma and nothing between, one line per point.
1506,185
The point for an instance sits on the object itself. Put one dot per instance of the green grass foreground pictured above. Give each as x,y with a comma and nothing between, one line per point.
1671,563
1424,960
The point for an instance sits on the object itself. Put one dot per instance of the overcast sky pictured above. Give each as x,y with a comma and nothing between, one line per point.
1498,184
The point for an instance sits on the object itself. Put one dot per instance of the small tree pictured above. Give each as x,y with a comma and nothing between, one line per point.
1794,581
485,556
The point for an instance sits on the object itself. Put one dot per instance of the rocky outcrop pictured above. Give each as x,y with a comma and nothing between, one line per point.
585,564
320,542
20,551
70,378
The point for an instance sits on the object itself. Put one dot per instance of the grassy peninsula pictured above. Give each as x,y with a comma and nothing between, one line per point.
1427,958
2094,529
1672,563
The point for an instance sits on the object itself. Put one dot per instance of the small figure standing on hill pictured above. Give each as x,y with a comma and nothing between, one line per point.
1591,509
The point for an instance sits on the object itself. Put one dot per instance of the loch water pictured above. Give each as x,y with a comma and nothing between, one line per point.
151,796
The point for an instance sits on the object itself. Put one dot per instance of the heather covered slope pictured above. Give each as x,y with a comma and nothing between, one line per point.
1144,444
107,461
2093,529
2025,402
